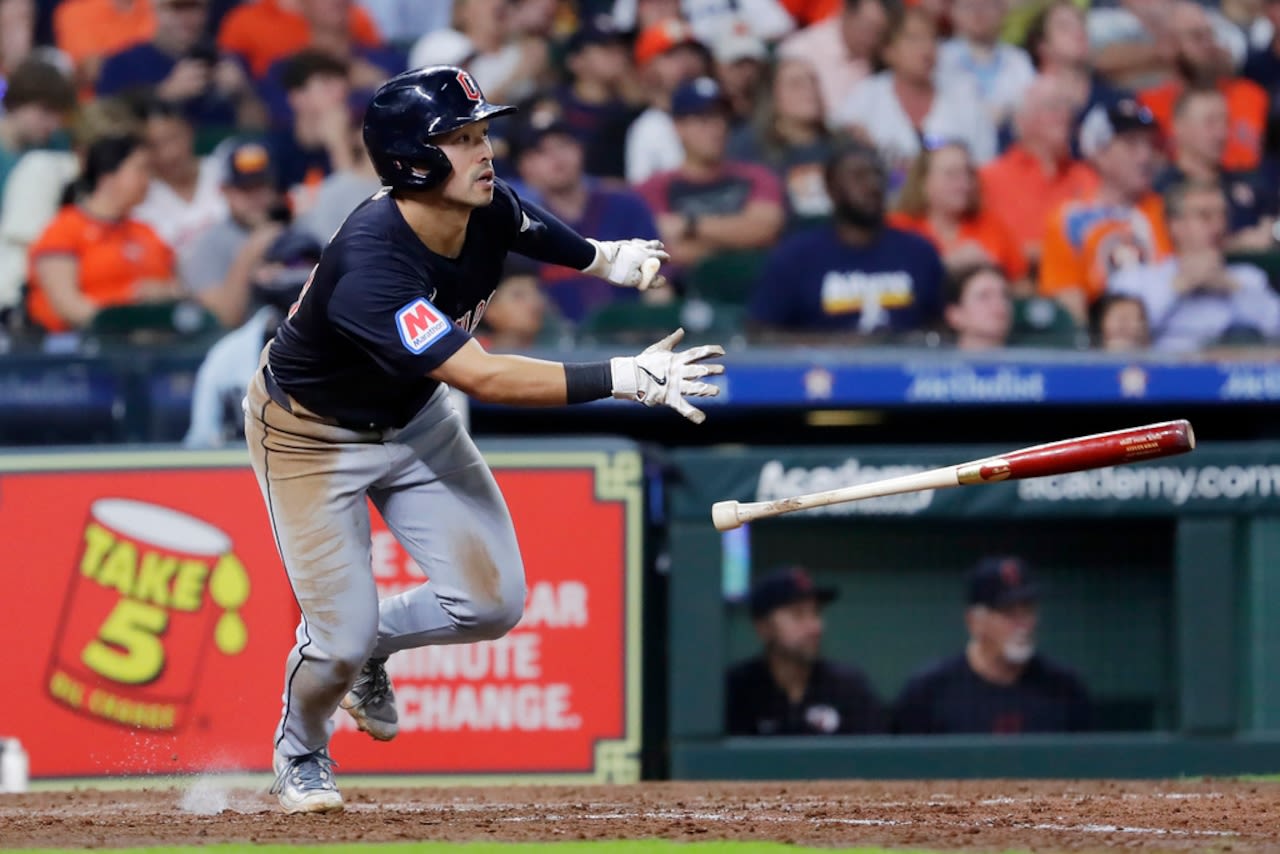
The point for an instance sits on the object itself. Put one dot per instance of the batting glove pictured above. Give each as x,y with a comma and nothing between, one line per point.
661,376
622,262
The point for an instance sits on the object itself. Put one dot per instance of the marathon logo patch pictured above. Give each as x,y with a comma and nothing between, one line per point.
420,325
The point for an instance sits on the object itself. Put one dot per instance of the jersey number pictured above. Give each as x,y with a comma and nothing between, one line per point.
469,87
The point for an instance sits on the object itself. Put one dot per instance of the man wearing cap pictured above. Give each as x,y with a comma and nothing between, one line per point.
710,204
790,689
1000,683
549,158
1120,224
593,102
666,56
741,60
217,266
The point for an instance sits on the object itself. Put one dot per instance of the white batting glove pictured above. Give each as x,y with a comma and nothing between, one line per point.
661,376
622,262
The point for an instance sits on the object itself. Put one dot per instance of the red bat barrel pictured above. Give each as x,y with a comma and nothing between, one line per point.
1165,439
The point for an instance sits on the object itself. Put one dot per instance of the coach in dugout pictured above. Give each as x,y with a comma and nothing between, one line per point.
789,689
1000,683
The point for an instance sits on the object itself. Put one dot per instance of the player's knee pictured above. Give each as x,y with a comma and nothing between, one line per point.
494,621
349,655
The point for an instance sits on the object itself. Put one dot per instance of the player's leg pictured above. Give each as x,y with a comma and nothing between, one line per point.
444,506
313,480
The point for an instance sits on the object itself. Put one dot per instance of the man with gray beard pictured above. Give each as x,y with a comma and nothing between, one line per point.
1000,684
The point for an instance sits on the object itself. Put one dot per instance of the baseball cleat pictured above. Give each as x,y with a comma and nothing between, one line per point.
305,783
372,702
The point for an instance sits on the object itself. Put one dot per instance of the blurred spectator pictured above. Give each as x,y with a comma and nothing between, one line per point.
1201,61
1000,684
367,67
216,415
857,274
402,22
185,197
1263,64
899,107
790,137
1058,44
1195,298
1037,173
341,192
549,158
36,101
94,253
840,49
319,141
88,31
1136,44
217,266
638,15
1118,324
667,56
1120,224
741,60
36,186
790,689
711,204
592,102
210,88
517,316
1200,131
999,72
263,31
19,41
765,19
807,12
941,201
979,310
508,67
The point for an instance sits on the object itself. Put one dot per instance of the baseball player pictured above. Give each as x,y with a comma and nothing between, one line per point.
350,404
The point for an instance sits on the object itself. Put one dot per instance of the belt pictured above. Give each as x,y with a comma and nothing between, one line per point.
285,402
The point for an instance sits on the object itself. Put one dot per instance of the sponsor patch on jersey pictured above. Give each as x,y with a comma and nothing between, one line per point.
420,325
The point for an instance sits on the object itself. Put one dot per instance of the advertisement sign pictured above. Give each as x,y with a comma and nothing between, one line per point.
147,620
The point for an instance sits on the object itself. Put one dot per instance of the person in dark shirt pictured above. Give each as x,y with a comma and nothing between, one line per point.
350,404
790,689
592,103
1000,683
856,274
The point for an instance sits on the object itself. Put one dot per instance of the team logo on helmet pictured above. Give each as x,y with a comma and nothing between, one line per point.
469,87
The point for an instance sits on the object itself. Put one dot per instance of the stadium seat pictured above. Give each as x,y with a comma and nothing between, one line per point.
726,277
176,318
1043,322
639,323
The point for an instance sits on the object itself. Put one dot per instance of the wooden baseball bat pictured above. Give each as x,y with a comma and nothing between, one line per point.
1164,439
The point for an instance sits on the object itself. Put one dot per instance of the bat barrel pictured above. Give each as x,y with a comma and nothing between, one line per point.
1165,439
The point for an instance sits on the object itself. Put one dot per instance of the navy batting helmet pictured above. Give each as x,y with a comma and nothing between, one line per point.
408,111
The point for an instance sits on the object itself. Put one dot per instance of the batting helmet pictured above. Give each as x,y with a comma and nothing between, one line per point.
408,111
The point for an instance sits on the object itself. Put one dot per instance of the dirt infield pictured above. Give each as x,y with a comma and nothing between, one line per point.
990,815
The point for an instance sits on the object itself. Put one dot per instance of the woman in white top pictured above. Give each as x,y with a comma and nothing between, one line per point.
898,107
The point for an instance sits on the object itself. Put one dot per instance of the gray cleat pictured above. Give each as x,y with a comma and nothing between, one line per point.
372,702
305,783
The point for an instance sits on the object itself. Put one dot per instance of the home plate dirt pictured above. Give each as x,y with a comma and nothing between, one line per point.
991,815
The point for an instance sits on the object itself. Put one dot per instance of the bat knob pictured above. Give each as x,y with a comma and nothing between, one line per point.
724,515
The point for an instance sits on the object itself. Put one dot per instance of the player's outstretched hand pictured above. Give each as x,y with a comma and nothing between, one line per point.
659,375
623,262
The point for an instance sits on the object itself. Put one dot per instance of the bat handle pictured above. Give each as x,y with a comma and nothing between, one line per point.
724,515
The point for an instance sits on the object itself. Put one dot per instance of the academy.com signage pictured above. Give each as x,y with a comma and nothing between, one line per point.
1175,485
781,481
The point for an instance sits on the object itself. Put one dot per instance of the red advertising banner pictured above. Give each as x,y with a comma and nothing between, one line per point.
146,620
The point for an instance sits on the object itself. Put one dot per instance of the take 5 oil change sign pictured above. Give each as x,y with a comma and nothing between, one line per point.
146,619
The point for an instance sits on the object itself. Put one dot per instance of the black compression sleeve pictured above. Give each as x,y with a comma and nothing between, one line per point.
548,239
588,381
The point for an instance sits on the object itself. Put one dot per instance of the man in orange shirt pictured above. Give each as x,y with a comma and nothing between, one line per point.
1037,173
267,30
1120,224
1202,61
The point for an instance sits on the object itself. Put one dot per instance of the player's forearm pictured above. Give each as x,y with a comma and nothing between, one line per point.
514,380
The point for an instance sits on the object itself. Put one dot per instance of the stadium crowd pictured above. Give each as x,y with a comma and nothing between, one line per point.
976,173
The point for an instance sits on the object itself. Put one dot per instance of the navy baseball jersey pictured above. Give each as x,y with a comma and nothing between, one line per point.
382,310
949,697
